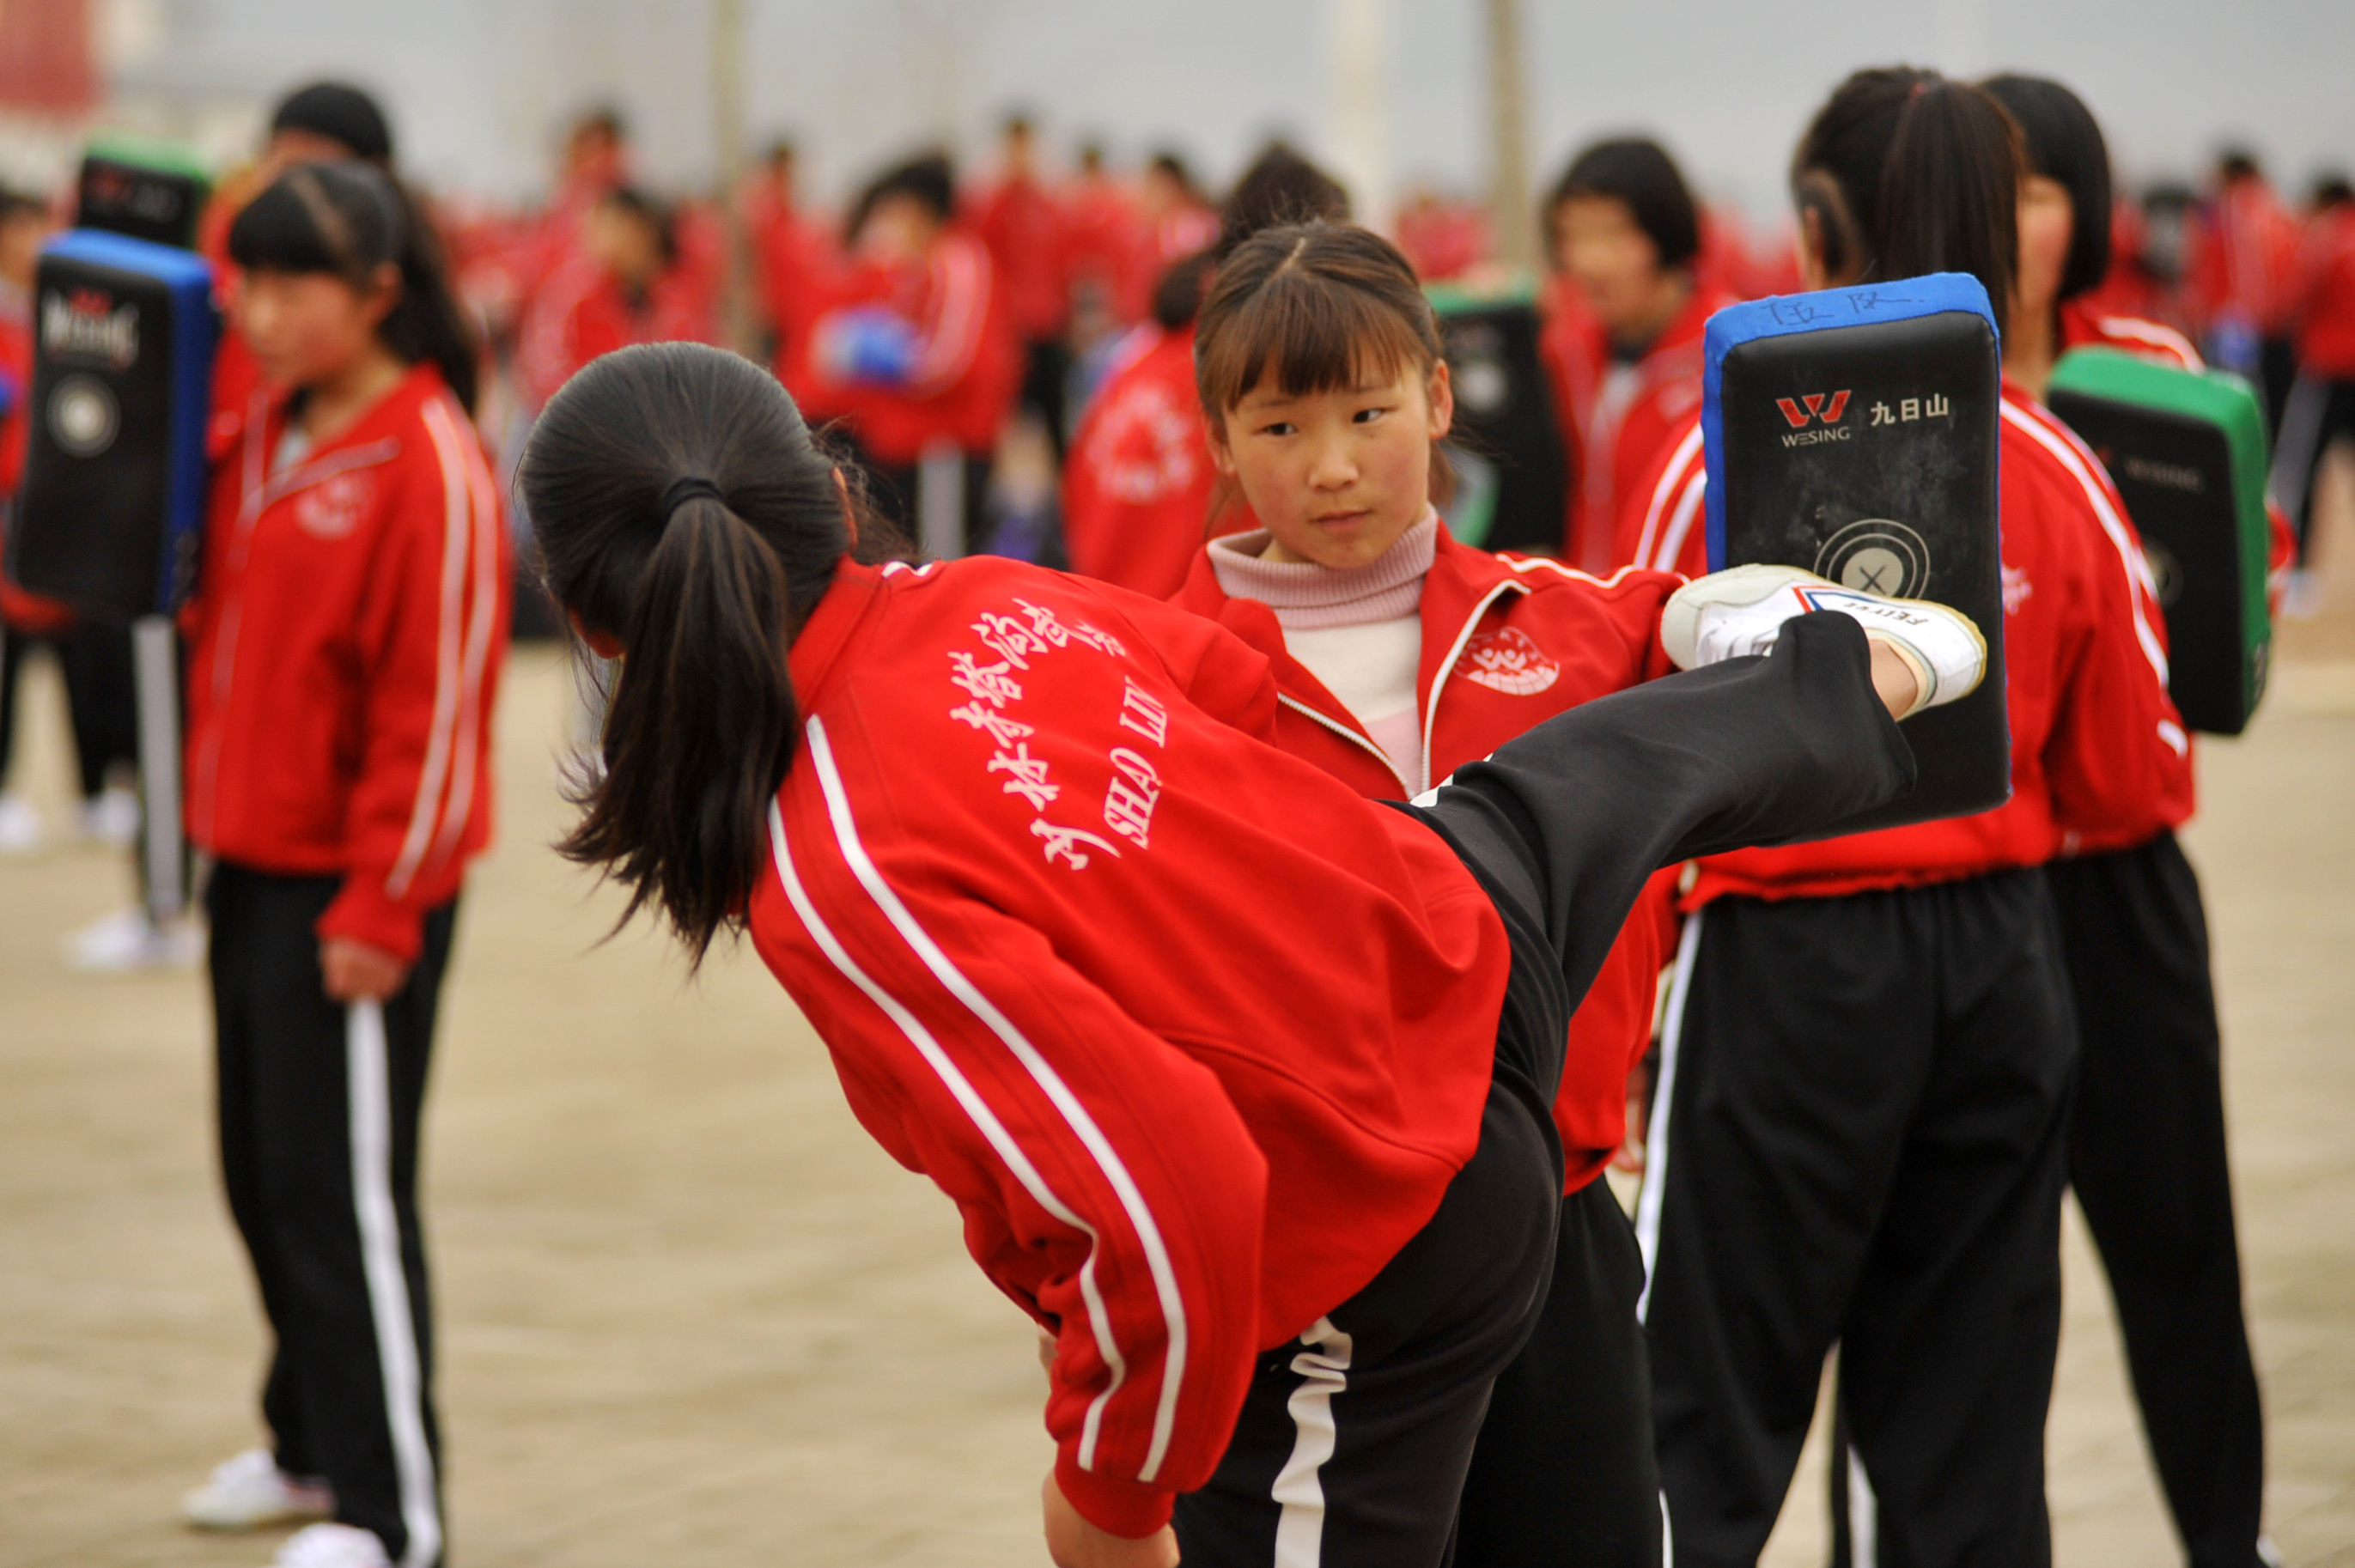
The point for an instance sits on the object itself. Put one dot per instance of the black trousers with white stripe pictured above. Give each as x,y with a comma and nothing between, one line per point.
1861,1138
1354,1440
319,1107
1564,1472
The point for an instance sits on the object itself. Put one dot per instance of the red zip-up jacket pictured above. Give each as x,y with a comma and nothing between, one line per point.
1614,436
2326,295
2099,754
347,631
1194,1036
1508,642
967,365
1022,223
1137,483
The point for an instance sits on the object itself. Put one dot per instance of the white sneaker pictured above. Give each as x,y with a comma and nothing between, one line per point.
128,943
112,817
1740,611
332,1546
251,1490
20,825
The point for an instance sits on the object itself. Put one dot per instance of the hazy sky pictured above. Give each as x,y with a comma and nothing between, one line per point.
477,86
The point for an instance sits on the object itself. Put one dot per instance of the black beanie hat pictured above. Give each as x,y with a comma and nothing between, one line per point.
341,112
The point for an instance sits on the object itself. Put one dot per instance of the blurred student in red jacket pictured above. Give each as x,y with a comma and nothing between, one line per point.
1178,219
793,252
1022,223
2321,405
1138,486
1622,226
918,356
611,294
1444,238
2242,278
347,636
1106,264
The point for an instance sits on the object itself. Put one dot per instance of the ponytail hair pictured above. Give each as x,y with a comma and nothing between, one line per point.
682,507
350,219
1908,173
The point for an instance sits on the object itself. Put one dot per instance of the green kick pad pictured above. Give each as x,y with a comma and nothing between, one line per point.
2186,450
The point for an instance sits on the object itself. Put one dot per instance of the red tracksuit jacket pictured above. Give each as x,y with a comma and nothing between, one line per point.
1137,483
1194,1036
1613,439
1508,642
2325,296
2099,754
967,363
1022,224
348,627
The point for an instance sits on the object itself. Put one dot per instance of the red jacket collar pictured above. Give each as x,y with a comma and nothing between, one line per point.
1462,584
817,650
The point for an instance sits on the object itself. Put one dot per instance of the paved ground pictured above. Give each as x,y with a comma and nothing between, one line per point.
692,1317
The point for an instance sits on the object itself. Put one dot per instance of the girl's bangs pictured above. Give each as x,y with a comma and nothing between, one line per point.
1308,337
277,233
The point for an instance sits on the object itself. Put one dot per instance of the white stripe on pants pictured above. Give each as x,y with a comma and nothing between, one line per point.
1300,1528
1656,1137
369,1085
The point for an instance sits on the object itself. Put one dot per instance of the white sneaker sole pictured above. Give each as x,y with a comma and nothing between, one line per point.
1745,585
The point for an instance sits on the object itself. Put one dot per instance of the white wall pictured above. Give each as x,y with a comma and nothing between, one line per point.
479,87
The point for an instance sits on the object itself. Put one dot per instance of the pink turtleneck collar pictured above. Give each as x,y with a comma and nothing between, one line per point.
1306,597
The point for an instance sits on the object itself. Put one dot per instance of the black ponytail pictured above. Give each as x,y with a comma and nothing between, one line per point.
1908,173
350,218
682,507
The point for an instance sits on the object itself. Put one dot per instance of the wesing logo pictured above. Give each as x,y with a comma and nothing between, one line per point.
86,322
1803,412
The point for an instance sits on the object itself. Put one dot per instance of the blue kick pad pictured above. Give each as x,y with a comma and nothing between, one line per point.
113,498
1854,432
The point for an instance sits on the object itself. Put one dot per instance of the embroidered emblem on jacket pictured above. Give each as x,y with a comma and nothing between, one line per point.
1506,661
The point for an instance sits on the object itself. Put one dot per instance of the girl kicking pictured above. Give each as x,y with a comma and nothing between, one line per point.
1240,1082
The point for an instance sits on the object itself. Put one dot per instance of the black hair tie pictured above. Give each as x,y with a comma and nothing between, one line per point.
682,491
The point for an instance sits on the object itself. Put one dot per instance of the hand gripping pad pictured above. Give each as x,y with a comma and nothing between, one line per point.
1853,432
113,495
2188,453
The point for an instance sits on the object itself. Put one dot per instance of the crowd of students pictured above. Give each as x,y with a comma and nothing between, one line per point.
1320,1253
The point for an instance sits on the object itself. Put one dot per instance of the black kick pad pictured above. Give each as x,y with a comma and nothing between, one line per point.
1512,478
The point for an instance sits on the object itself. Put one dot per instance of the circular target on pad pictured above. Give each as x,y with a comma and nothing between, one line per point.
84,416
1874,555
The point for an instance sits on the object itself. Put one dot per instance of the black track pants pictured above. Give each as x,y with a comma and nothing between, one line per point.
1866,1104
1563,1473
319,1108
1354,1440
2147,1157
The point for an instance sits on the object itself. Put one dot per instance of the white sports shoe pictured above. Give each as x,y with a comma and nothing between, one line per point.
1740,611
251,1490
128,943
112,817
332,1546
20,825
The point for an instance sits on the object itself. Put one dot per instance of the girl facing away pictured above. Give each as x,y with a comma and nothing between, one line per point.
1240,1082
